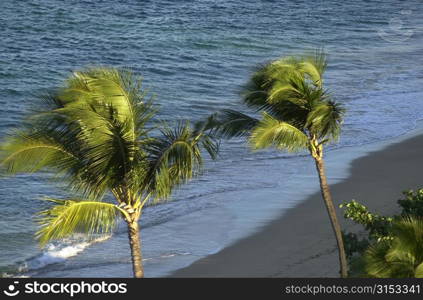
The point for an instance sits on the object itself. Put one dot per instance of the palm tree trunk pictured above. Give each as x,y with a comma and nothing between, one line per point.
135,244
327,197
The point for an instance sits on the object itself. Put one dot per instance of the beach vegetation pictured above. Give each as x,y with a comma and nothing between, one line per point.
364,249
412,203
401,256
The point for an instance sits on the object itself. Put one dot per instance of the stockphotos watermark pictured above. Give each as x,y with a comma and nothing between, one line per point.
65,288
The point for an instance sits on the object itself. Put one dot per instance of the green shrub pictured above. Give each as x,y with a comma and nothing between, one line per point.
379,230
412,205
400,257
376,225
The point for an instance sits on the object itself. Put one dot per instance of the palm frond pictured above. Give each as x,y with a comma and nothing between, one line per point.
230,123
400,257
291,90
67,217
375,259
211,145
109,86
314,66
271,132
102,88
31,151
325,120
174,157
409,233
110,159
418,273
268,93
285,91
255,92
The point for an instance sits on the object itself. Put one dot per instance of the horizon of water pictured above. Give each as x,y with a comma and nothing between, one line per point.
195,57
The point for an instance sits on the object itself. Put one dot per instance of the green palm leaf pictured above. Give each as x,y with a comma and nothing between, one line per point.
375,259
230,123
400,257
32,151
106,86
67,217
271,132
174,157
314,66
325,119
419,271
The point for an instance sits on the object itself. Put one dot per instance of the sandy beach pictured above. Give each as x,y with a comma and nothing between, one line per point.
300,243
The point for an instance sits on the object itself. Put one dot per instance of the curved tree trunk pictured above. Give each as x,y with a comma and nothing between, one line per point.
327,197
135,244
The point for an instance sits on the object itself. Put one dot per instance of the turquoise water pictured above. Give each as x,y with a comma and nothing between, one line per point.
195,56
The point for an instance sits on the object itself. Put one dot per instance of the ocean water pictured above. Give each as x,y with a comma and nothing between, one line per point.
195,56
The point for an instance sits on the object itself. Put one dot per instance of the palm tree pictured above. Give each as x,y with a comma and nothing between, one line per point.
297,114
398,257
96,134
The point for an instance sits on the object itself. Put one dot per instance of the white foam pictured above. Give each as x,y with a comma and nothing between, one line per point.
56,253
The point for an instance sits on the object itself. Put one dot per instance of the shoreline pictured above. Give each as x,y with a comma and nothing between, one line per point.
300,242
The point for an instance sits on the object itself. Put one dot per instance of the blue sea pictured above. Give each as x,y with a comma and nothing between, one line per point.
195,56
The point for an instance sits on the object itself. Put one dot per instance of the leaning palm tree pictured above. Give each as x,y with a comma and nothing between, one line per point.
401,256
297,113
96,134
